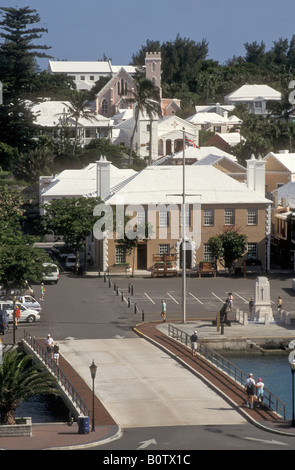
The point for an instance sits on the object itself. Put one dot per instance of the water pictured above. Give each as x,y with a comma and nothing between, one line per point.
43,409
274,371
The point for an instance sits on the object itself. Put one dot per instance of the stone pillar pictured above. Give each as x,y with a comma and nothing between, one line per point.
262,311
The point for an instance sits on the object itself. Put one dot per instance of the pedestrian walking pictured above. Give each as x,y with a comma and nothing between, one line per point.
194,345
163,311
251,305
230,300
49,343
16,315
250,390
56,353
260,391
42,291
280,305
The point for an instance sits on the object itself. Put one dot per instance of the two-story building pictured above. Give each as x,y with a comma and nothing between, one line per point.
255,97
213,200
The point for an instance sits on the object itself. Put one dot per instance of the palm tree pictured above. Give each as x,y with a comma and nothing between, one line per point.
79,107
21,379
147,99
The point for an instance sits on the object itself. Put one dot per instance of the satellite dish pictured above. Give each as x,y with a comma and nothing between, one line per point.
291,358
291,345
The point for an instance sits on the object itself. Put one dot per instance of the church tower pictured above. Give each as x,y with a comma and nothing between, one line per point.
153,68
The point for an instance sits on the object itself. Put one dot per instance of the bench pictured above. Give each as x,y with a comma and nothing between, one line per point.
160,271
164,265
205,268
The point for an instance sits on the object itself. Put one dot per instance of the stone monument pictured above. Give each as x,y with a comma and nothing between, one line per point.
262,311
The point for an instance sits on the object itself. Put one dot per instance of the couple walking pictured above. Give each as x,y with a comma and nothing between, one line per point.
251,387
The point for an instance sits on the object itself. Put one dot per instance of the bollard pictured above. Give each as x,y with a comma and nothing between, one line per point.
115,286
128,302
117,290
104,277
122,296
222,328
131,289
135,307
142,315
109,282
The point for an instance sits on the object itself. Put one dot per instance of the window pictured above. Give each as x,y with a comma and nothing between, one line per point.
207,253
208,217
252,218
104,107
164,249
120,255
91,77
229,217
141,217
82,77
252,250
163,219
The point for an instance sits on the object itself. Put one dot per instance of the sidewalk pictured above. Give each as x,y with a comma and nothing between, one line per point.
203,377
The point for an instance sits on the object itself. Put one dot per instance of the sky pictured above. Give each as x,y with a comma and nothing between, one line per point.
90,29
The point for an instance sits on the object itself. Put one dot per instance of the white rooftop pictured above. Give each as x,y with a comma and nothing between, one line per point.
163,184
252,92
82,182
52,113
95,67
285,158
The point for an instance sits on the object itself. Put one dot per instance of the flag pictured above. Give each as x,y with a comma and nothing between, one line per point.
190,142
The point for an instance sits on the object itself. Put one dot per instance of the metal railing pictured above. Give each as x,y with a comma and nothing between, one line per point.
65,384
238,375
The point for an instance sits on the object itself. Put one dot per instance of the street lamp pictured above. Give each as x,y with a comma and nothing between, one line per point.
291,359
93,369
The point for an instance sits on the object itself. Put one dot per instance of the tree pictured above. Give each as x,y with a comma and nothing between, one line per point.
33,164
21,379
19,259
78,108
72,219
130,240
18,54
146,99
228,247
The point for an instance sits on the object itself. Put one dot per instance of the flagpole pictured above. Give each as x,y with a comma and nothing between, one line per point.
183,237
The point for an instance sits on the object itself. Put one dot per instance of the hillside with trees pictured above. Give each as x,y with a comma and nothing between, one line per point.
187,74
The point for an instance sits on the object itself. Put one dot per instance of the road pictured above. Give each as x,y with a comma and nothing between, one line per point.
88,308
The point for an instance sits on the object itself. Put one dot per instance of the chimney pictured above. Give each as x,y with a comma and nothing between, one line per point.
256,175
251,173
103,178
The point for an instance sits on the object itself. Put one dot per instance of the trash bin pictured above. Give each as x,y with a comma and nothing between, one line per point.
81,270
83,424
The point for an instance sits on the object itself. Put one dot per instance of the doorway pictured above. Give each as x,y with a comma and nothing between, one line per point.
141,256
188,255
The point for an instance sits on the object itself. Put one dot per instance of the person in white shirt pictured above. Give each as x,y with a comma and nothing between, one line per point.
260,391
49,343
250,390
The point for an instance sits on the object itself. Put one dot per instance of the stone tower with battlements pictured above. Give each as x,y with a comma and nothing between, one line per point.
153,68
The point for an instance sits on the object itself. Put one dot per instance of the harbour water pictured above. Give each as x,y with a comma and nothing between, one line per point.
44,409
275,372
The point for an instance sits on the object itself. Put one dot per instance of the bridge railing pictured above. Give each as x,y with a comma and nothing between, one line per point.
238,375
65,384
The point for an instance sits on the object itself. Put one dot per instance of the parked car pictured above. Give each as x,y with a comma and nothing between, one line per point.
28,301
71,262
26,314
52,273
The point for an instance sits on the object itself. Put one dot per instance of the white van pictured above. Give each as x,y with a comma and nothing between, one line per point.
71,262
52,274
26,314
